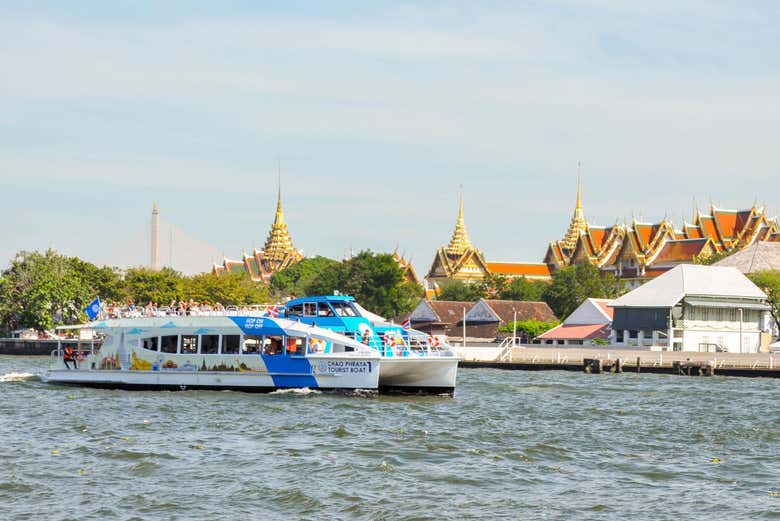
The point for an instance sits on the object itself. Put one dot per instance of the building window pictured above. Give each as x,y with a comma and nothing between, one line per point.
169,344
149,344
209,344
230,344
323,310
189,344
273,345
252,345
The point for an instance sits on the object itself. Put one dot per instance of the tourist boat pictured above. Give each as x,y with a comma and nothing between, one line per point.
248,353
412,361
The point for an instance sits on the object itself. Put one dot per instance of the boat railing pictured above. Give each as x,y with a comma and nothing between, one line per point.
161,313
414,345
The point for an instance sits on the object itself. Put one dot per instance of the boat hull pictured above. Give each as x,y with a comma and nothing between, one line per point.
427,375
331,374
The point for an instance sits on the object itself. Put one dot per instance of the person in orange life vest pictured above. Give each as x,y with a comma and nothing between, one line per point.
69,356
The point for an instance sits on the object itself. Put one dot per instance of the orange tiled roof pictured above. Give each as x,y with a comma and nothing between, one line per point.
654,272
602,304
742,219
645,231
707,225
693,232
517,268
727,222
576,332
680,251
597,235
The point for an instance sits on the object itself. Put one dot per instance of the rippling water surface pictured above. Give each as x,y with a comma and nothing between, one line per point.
509,445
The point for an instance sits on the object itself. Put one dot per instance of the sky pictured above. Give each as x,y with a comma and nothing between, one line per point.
378,112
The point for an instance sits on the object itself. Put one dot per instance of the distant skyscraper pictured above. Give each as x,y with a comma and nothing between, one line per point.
155,261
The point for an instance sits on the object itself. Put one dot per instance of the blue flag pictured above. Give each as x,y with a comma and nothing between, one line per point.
93,309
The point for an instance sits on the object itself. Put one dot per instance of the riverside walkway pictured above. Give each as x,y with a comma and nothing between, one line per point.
535,358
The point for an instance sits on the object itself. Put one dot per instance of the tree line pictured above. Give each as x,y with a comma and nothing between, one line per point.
569,287
41,290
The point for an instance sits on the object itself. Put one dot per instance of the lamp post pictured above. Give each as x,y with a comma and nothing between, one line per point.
740,329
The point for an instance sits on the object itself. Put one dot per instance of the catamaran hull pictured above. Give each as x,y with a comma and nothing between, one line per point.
239,381
427,375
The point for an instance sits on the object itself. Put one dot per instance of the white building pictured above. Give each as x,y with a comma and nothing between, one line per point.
587,325
694,308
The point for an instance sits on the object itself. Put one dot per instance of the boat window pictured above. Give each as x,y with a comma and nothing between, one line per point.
149,343
344,309
230,344
252,344
273,345
323,310
168,344
189,344
310,309
296,346
295,311
209,344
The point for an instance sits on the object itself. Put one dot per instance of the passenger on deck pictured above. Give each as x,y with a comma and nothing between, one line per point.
68,356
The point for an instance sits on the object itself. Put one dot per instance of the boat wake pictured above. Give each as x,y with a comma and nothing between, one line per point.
304,390
19,377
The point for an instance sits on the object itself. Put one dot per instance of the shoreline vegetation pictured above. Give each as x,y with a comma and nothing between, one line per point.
42,290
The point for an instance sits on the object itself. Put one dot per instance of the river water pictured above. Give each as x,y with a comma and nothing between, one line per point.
509,445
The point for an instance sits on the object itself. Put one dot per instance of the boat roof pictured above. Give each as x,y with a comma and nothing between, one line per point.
321,298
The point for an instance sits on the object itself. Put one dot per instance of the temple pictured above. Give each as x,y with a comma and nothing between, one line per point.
460,260
277,254
640,251
406,266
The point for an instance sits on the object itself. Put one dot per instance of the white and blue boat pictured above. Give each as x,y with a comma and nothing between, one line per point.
412,361
248,353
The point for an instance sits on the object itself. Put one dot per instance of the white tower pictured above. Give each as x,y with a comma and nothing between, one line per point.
155,237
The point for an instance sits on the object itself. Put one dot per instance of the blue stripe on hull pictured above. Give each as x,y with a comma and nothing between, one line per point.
288,381
298,369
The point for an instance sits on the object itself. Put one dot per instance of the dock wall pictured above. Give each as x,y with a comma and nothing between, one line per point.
632,360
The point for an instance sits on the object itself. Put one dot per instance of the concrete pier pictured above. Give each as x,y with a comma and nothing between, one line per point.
605,360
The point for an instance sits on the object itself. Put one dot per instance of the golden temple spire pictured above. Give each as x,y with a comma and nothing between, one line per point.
279,244
579,185
578,223
459,244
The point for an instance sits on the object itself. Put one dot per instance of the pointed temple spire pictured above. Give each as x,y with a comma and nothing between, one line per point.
578,223
279,244
459,243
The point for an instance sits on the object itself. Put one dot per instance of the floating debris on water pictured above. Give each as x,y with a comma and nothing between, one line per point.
715,460
55,452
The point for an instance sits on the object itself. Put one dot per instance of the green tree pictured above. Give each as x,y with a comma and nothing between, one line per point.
715,257
378,284
531,328
769,282
374,279
105,282
523,289
144,285
460,291
307,277
41,290
572,285
228,289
